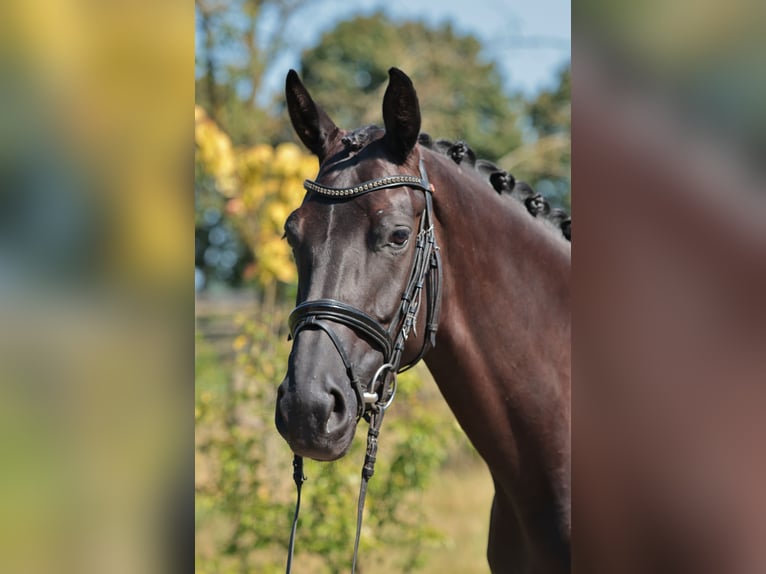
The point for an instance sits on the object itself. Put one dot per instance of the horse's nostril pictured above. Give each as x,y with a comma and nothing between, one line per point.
280,415
338,417
339,402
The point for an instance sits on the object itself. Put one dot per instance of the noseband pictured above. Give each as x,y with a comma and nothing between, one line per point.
377,395
426,267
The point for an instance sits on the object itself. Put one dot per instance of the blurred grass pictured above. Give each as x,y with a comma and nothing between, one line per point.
459,502
447,519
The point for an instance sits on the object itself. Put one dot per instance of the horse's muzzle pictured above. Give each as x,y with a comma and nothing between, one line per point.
318,421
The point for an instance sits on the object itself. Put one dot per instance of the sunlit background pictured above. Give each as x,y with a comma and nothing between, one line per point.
496,78
96,216
96,292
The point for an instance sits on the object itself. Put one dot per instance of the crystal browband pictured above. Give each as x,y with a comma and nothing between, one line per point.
372,185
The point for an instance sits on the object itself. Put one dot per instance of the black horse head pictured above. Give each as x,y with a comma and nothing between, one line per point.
355,250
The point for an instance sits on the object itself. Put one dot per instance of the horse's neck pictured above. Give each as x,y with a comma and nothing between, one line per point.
503,346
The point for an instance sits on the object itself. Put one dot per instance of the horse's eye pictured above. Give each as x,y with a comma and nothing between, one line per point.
399,237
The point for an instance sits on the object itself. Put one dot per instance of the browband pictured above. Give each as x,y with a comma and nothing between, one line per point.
372,185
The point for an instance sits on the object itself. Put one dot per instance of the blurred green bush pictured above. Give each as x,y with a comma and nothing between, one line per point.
244,488
245,494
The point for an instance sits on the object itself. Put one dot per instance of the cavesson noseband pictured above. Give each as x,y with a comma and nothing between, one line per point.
374,398
426,267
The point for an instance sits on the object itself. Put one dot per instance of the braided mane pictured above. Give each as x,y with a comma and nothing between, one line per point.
503,182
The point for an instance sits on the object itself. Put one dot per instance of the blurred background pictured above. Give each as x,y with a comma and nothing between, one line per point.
488,77
669,260
97,296
496,78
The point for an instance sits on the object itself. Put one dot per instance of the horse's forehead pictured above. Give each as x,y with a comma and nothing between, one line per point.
347,169
368,205
333,219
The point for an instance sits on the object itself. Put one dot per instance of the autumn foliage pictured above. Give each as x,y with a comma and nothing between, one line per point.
260,186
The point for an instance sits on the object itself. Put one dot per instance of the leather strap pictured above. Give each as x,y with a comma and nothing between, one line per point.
426,272
334,310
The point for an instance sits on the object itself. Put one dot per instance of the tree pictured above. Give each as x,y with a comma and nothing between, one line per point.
550,111
233,51
546,158
461,95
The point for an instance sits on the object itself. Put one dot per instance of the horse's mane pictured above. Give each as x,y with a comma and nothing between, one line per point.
502,182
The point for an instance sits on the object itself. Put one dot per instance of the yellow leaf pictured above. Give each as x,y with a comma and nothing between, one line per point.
239,343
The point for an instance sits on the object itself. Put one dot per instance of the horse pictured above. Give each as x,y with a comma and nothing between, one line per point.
669,458
389,208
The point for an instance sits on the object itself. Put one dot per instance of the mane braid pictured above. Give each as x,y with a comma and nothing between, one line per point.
502,182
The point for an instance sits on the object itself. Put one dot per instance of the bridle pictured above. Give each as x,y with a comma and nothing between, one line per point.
426,266
378,394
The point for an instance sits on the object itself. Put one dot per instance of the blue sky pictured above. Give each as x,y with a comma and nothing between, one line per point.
529,41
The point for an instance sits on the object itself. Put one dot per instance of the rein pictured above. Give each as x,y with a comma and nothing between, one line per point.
376,396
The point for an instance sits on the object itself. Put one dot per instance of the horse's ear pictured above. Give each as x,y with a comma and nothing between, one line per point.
311,123
401,114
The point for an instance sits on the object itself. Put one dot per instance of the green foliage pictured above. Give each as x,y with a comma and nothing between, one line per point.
545,160
233,51
550,112
461,95
245,493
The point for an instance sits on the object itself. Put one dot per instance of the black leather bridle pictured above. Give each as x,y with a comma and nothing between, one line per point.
374,398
